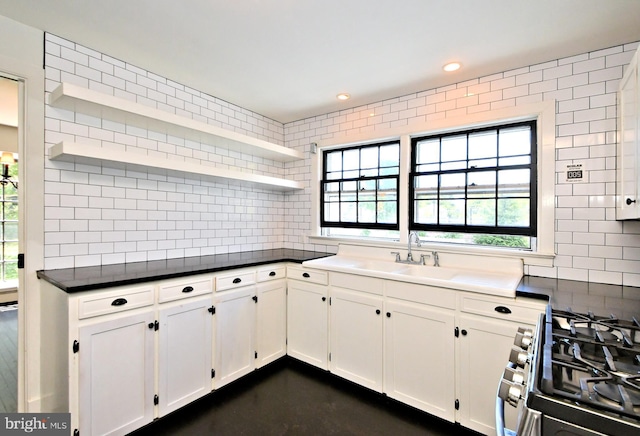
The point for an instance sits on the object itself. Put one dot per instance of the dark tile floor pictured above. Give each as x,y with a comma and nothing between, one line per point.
289,397
8,358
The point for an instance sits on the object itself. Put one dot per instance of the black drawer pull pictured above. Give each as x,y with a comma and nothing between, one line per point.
377,311
119,302
237,280
503,309
306,275
187,289
272,274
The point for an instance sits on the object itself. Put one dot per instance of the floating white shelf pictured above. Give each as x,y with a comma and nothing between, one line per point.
75,152
90,102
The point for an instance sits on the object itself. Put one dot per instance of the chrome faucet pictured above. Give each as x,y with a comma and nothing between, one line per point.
409,254
436,258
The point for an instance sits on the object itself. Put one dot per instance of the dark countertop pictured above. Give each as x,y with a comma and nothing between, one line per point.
601,299
89,278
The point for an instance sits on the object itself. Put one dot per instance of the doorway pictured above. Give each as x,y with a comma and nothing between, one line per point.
9,222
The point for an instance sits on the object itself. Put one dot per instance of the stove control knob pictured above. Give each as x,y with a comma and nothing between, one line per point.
514,375
523,339
518,357
510,392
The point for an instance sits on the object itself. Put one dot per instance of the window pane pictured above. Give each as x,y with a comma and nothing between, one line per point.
332,212
386,184
481,184
426,212
348,212
428,152
513,212
452,211
334,161
452,185
367,212
390,155
388,212
514,183
11,250
10,231
350,160
481,212
11,271
483,144
517,160
454,148
515,141
369,158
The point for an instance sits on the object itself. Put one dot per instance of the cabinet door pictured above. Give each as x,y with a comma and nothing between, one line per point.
271,321
356,337
484,346
235,326
184,364
419,357
116,384
307,334
627,154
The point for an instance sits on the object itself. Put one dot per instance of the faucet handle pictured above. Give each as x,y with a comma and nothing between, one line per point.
423,257
397,253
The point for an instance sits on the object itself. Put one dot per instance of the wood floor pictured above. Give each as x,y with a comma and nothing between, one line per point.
8,358
291,398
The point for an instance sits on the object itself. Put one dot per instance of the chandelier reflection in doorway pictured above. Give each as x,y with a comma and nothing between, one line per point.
7,159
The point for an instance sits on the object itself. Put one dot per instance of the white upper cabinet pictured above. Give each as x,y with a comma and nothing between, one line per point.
107,107
627,177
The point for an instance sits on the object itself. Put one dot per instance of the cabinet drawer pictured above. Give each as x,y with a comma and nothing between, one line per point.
176,290
504,309
102,303
235,280
271,273
308,275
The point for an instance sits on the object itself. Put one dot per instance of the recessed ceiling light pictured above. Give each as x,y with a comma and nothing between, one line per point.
343,96
452,66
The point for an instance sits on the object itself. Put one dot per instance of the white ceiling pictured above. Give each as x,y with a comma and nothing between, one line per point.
288,59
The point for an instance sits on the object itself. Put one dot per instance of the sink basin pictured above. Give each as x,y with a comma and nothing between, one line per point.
380,265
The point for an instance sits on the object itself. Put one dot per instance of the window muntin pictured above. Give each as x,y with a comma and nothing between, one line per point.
476,181
360,187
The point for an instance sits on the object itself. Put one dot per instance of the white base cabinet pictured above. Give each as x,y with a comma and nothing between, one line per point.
271,321
235,328
419,356
356,337
185,353
116,375
307,316
121,357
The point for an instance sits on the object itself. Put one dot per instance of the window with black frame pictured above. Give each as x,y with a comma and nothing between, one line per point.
360,189
476,186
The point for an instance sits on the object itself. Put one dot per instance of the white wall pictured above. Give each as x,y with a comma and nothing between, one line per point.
590,244
101,215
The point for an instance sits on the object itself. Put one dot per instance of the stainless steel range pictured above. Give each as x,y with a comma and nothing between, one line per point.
579,374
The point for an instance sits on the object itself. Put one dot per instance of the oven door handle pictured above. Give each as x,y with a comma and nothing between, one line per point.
500,428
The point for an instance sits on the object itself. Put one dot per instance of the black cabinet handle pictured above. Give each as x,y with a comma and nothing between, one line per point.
629,201
324,298
237,280
377,311
187,289
272,274
464,332
119,302
150,325
255,299
306,275
503,309
388,314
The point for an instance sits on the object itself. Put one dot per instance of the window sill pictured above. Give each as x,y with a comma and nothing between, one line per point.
528,257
